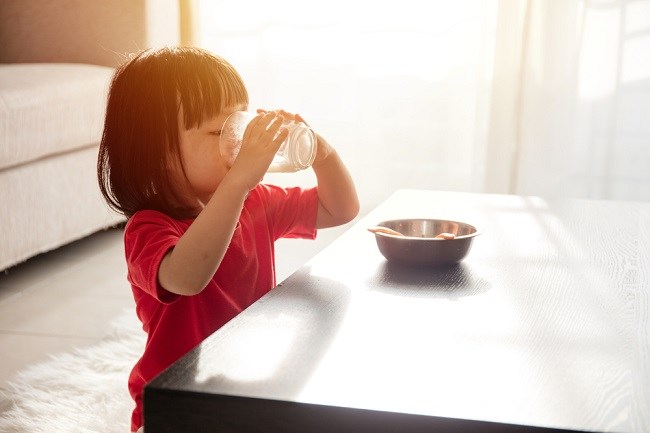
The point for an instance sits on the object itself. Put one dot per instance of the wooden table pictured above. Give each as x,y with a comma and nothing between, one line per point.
544,326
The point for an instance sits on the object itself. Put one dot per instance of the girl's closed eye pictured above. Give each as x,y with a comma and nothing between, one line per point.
217,133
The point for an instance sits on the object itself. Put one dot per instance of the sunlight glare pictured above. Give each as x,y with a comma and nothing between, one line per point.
375,39
636,61
598,57
270,340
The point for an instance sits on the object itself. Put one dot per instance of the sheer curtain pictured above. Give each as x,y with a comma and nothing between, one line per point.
584,126
536,97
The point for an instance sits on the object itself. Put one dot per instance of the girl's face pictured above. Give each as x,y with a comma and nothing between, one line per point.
199,151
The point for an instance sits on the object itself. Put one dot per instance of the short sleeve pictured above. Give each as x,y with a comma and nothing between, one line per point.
292,211
148,236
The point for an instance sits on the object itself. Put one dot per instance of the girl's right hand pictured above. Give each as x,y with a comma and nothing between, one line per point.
262,139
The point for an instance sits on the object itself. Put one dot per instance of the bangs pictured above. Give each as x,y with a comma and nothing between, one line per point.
207,84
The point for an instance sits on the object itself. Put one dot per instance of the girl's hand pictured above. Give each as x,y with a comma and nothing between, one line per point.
323,148
262,139
337,197
287,116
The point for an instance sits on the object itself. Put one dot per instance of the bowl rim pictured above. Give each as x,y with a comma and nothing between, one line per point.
477,231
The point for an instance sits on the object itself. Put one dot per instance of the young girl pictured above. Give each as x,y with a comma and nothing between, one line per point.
200,235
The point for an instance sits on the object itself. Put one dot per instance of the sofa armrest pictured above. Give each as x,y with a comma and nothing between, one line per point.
82,31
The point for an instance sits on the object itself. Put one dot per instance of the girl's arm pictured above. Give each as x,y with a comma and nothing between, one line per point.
337,195
187,269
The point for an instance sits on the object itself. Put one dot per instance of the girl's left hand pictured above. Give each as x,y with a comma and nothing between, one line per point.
323,148
287,116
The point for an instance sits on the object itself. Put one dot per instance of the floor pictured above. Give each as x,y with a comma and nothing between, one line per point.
65,298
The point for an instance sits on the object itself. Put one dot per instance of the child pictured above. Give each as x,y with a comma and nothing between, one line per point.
200,234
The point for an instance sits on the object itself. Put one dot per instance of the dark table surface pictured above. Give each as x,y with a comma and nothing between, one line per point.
544,326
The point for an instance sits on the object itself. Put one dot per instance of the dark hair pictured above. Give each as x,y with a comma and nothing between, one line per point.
141,125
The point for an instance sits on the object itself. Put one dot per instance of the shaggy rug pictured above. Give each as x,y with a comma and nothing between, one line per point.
84,391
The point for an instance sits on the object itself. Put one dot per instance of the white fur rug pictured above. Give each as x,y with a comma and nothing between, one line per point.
82,392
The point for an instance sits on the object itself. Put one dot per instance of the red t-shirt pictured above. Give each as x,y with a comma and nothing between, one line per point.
175,324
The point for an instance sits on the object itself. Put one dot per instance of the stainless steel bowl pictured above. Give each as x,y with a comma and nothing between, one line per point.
419,246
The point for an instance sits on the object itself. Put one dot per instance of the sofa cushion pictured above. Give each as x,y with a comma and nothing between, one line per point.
50,108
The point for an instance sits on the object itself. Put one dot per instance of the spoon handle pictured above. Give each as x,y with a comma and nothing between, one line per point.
385,230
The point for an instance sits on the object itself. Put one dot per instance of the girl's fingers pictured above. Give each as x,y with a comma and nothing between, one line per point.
274,125
252,128
280,137
288,115
262,126
300,119
284,113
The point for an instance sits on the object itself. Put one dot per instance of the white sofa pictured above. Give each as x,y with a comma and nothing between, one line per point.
56,61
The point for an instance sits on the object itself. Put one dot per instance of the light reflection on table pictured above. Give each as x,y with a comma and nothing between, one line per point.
545,323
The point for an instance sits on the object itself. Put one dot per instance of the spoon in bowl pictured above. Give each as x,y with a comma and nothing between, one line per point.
384,230
387,231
